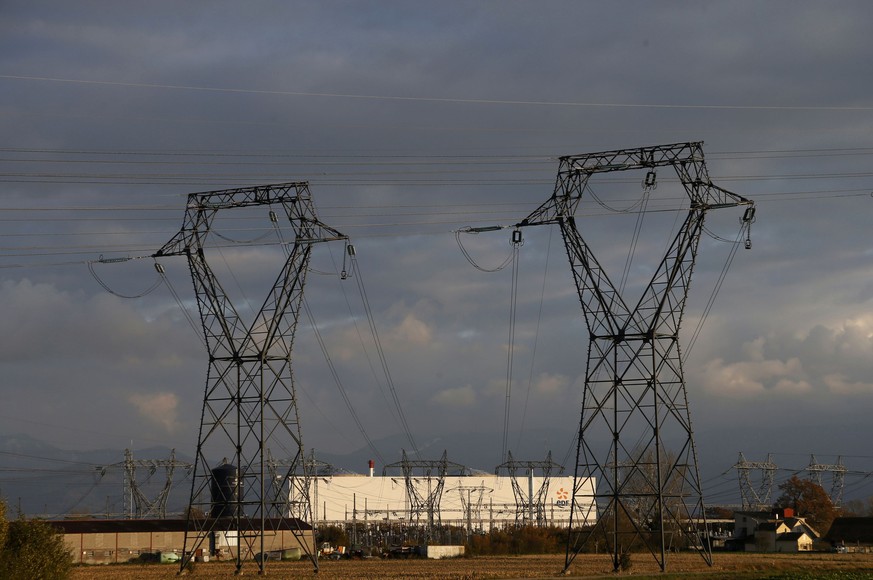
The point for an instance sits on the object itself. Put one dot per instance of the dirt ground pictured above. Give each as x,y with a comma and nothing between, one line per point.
494,567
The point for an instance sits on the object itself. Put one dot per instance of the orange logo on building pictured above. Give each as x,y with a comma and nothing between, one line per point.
562,494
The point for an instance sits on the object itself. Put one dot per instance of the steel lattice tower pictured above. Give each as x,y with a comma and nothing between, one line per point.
838,472
249,405
530,507
434,474
635,433
756,498
134,501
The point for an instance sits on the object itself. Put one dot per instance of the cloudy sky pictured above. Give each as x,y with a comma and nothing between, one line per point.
411,120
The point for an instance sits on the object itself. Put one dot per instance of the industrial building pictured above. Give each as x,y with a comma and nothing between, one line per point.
477,502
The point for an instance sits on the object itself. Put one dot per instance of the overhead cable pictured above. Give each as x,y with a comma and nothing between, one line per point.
711,301
359,279
432,99
106,287
335,375
510,351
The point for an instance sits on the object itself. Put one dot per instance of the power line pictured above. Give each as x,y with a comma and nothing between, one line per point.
434,99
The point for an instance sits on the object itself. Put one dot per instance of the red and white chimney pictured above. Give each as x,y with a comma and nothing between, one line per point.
372,467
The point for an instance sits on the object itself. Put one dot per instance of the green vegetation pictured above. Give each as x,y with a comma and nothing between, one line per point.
31,549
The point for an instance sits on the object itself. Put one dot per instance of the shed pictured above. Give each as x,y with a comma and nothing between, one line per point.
847,531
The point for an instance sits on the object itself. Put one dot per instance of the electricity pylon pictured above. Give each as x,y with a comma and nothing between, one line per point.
756,498
249,404
471,504
135,502
635,433
434,475
838,474
530,507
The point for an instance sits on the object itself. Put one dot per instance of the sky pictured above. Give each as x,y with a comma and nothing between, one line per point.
410,121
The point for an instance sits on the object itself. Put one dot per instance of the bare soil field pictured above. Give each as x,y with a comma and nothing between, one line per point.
684,566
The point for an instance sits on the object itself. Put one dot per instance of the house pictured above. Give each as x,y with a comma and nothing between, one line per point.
794,542
775,531
851,534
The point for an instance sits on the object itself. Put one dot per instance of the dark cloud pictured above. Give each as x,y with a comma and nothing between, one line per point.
411,121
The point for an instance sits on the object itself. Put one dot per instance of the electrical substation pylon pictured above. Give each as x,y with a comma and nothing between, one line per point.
838,476
471,504
530,506
136,505
433,474
250,404
755,498
635,433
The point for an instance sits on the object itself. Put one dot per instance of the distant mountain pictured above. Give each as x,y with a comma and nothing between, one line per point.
47,480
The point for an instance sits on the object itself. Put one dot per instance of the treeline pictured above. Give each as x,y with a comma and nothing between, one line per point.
497,542
513,541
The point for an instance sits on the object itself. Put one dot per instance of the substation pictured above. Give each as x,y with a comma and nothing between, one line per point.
443,502
635,479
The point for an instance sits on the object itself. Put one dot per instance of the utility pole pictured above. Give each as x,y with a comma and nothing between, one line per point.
249,403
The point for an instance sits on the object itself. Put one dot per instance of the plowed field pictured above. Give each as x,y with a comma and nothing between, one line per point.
746,566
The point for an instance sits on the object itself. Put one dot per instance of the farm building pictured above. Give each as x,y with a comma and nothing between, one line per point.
95,541
849,534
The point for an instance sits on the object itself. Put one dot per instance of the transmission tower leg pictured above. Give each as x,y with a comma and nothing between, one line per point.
635,439
249,407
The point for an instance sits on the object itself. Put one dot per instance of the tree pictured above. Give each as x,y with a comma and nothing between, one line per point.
4,524
808,500
31,549
858,508
334,535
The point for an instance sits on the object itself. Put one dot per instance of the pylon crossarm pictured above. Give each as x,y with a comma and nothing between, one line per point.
294,197
636,158
569,187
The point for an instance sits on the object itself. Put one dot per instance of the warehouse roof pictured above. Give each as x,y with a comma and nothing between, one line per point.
104,526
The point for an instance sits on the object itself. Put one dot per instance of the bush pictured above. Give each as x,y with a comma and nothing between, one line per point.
518,540
32,549
335,535
4,524
624,562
